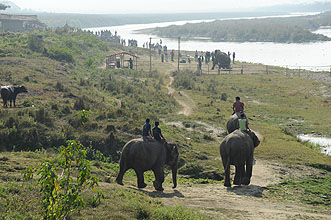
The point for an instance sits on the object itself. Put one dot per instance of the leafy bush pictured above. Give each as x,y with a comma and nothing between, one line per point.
224,97
61,194
35,43
60,54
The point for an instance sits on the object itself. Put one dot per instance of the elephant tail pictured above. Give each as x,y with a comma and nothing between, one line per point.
228,162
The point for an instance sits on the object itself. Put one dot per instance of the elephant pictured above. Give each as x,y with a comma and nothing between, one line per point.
237,149
222,60
233,123
148,155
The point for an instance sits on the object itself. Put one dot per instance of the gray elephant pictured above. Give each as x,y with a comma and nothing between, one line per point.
142,156
233,123
222,60
237,149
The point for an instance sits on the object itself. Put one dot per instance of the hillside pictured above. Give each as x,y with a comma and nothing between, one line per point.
282,30
64,73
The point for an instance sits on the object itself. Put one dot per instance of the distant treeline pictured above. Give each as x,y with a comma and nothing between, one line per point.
283,30
104,20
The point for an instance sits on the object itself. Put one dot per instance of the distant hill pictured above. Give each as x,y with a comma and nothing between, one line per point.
282,30
103,20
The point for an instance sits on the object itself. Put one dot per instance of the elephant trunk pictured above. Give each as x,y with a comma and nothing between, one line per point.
174,175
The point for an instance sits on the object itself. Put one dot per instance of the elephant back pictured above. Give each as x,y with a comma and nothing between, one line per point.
223,60
232,124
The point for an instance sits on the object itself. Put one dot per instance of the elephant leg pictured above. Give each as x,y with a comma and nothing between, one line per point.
140,179
123,169
159,178
248,174
239,174
226,165
10,101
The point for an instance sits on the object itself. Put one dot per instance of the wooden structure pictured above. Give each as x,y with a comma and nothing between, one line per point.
9,22
120,60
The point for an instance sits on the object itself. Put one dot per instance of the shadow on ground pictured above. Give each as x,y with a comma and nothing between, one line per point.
159,194
251,190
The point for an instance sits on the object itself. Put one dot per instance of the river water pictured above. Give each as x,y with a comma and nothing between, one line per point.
324,142
312,56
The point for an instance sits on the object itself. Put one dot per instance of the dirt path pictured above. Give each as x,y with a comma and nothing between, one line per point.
239,202
182,98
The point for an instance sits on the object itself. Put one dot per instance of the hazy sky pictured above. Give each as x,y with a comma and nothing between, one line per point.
147,6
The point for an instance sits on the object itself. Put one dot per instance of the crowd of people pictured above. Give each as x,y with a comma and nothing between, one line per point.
106,35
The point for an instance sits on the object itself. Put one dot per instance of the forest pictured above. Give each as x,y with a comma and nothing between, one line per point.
282,30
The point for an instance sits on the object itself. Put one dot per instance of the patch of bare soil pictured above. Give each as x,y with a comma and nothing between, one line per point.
242,202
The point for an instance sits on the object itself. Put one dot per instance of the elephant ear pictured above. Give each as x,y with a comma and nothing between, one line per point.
255,139
173,150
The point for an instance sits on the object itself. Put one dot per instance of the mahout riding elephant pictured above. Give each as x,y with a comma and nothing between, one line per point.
222,60
10,93
233,123
148,155
237,149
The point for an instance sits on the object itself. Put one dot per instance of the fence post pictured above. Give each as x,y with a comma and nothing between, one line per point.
299,70
330,70
242,69
286,70
266,67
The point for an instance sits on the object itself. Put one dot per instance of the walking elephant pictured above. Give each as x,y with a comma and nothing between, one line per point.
222,60
142,156
237,149
233,123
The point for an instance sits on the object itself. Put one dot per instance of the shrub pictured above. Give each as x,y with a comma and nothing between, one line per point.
35,43
61,194
224,97
60,54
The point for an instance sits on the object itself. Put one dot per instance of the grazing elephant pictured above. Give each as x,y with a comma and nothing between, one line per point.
237,149
233,123
142,156
222,60
10,93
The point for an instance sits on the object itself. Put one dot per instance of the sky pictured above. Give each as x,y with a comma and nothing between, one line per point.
147,6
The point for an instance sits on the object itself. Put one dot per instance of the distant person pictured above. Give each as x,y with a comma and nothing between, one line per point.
233,56
147,131
162,57
131,63
238,107
207,57
196,55
172,54
157,134
199,63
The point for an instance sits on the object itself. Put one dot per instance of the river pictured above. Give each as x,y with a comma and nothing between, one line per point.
324,142
312,56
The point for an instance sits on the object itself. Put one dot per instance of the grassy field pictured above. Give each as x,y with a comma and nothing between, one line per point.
69,76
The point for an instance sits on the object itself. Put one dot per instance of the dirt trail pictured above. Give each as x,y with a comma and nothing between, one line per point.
182,98
238,202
